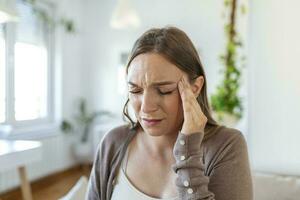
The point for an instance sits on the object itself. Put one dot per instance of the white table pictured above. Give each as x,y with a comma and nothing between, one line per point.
17,154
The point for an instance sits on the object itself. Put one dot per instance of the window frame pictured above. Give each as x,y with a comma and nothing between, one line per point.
10,30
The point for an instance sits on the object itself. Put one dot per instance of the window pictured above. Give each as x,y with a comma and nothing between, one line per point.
25,69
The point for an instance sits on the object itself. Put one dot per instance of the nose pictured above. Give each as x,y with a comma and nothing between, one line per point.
149,103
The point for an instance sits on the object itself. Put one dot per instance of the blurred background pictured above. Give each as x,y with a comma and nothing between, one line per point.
62,84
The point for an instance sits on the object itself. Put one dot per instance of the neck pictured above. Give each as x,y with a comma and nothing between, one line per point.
157,146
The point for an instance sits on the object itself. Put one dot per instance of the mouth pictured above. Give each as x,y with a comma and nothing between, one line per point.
151,122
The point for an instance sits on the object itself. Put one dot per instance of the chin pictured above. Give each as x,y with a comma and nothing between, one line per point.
159,129
154,132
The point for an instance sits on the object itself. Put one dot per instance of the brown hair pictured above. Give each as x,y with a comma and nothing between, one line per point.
176,47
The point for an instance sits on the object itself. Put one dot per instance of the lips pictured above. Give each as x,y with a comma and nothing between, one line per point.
151,122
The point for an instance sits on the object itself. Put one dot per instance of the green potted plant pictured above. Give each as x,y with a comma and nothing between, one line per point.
225,102
82,123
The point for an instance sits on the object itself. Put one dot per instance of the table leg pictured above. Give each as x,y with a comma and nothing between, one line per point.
25,186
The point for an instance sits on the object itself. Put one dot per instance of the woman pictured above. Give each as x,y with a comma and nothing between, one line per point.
175,149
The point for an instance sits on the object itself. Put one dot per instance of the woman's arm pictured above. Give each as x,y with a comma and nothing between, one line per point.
230,178
93,190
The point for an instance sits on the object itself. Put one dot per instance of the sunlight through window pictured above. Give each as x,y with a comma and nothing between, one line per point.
26,60
30,81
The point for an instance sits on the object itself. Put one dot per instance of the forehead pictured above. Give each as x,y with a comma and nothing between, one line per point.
152,67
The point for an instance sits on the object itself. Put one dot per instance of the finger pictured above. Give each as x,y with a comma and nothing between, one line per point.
184,91
182,94
187,90
187,99
196,105
183,97
181,87
190,103
188,85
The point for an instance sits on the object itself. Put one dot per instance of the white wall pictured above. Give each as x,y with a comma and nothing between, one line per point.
272,92
201,20
274,85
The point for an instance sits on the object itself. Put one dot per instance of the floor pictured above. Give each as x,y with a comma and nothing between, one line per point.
51,187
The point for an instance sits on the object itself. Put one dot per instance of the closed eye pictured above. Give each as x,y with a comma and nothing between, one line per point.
159,91
135,91
165,93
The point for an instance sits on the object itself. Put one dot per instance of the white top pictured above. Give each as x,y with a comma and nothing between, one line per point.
124,189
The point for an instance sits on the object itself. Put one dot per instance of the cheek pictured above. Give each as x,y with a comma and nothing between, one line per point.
172,105
177,109
134,102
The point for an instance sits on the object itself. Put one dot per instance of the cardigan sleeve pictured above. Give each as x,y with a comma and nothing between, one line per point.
230,178
93,189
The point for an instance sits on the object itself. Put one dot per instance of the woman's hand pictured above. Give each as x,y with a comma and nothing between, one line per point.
194,118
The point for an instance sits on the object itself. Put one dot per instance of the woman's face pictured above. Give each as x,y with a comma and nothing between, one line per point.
153,94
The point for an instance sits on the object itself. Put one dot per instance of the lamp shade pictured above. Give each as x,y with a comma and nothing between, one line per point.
124,16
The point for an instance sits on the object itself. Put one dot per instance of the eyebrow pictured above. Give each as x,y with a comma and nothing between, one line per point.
155,83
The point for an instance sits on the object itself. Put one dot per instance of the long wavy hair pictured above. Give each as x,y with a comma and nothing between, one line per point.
174,45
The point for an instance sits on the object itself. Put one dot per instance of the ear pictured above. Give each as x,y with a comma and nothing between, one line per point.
197,85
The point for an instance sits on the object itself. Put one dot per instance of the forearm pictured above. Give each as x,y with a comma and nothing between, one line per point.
191,183
229,176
